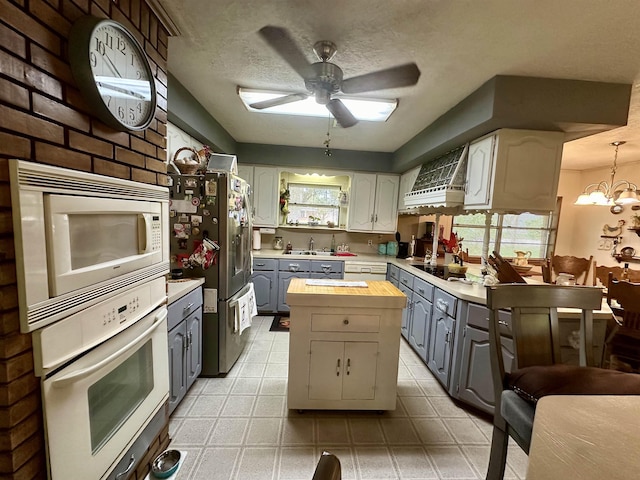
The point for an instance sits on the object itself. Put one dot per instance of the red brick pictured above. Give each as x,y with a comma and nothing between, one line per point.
16,121
6,222
14,94
62,157
129,157
105,132
103,5
22,22
34,468
52,65
10,393
5,199
153,137
14,146
14,367
49,17
142,146
54,3
7,249
111,169
156,165
12,461
12,66
7,277
9,321
59,112
85,143
13,42
19,433
134,14
143,176
74,9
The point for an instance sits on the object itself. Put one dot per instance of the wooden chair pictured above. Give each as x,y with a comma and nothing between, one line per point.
601,273
535,330
623,345
328,468
577,266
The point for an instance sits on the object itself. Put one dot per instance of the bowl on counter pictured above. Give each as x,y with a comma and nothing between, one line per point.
456,268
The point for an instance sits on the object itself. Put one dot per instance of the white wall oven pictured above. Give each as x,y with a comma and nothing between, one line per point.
80,237
105,376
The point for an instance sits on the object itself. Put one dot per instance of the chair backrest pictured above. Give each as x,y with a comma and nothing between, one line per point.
328,468
627,295
601,272
534,324
577,266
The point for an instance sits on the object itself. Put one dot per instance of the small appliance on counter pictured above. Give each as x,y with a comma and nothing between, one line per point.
257,240
403,250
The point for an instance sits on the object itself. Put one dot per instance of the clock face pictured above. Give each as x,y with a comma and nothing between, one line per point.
113,71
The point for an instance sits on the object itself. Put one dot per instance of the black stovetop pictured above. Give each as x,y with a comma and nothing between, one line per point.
440,271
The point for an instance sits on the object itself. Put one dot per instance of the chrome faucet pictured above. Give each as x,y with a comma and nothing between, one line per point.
311,244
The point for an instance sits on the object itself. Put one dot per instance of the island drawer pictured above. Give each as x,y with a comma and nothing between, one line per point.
478,316
406,279
263,264
294,265
321,266
445,302
321,322
423,288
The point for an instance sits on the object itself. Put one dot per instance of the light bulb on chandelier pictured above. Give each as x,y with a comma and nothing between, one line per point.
621,192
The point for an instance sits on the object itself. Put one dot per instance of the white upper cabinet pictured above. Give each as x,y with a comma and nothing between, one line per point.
265,196
514,171
373,206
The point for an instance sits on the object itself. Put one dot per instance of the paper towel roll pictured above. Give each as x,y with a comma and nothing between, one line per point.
257,240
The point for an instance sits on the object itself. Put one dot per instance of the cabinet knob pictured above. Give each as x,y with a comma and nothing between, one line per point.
346,321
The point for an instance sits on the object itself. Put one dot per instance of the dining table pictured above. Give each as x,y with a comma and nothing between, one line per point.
585,437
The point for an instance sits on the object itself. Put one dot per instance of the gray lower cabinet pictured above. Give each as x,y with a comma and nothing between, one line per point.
416,316
442,336
265,284
185,345
474,384
288,269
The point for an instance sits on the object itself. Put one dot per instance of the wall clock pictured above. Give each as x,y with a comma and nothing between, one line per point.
113,73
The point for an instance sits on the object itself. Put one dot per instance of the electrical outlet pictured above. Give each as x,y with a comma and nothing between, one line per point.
370,243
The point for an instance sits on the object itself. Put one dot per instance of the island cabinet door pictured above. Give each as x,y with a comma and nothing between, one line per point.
342,370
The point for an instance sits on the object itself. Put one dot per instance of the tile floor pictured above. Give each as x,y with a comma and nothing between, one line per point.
239,427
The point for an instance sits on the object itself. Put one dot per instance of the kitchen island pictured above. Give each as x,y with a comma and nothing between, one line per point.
344,344
446,324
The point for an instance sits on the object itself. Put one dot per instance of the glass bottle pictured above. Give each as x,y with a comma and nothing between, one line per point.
625,272
333,243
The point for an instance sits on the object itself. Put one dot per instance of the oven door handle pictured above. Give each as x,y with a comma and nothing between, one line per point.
85,372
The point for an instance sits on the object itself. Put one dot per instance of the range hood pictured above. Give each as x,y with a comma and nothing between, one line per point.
439,187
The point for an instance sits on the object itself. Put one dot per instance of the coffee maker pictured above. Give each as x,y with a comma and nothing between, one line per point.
403,250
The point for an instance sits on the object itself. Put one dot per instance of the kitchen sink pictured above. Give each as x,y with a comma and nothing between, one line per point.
319,253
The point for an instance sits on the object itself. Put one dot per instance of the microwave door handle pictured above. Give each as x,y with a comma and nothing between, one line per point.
144,233
85,372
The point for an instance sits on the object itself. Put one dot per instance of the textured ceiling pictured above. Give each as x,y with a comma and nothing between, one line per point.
458,45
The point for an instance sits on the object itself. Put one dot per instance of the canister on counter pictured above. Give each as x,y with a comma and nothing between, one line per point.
382,249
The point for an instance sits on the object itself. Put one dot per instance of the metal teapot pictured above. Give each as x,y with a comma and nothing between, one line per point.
522,258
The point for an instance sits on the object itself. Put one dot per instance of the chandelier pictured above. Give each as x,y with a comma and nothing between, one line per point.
612,193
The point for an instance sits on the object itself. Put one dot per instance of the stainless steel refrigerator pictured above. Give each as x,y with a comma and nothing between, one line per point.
211,238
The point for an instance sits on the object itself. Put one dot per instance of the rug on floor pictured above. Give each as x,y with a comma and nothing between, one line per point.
279,324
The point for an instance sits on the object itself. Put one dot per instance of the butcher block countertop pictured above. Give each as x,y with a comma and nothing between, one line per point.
377,294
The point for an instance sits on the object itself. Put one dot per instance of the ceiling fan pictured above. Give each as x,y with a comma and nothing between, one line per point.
322,79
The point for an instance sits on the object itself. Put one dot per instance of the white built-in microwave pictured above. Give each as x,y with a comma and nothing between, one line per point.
81,237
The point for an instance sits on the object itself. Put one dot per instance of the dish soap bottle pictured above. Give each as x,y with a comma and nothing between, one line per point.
333,243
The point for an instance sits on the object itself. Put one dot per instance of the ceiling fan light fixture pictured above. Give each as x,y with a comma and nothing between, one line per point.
371,110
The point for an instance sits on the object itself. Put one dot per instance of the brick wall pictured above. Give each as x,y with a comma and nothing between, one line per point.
44,119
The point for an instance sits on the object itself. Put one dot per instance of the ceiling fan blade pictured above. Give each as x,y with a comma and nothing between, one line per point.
280,40
401,76
341,113
274,102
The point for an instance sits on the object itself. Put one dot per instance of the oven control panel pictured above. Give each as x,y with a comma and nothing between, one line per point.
60,342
